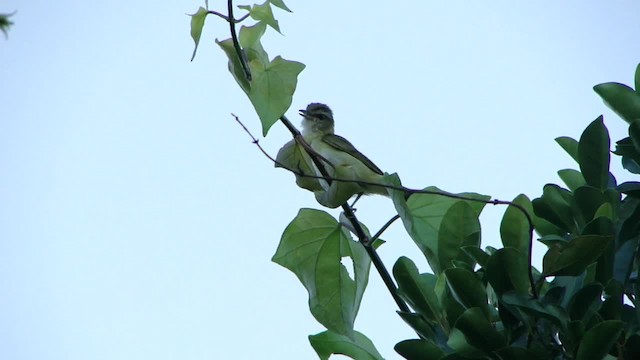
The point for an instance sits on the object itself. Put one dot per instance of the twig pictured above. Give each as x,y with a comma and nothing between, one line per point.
384,227
236,43
226,18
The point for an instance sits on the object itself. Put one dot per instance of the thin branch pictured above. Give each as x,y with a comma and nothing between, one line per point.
226,18
384,227
236,43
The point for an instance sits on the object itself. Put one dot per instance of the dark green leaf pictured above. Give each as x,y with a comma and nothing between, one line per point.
478,331
467,289
572,258
417,323
534,307
572,178
312,247
422,216
507,270
327,343
519,353
612,305
586,302
630,156
197,23
477,254
555,206
514,228
588,199
417,289
631,188
598,341
569,145
418,349
621,99
634,133
459,227
624,258
593,154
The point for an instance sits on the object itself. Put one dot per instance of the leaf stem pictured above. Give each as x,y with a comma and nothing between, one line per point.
236,43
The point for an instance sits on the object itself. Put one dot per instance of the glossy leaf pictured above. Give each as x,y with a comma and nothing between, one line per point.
569,145
360,347
630,156
477,254
417,323
572,258
417,289
197,23
593,154
534,307
620,98
572,178
588,199
514,228
555,206
467,289
459,227
507,270
586,302
478,331
422,215
312,247
418,349
598,341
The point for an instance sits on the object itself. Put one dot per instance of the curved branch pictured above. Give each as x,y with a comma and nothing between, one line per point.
236,43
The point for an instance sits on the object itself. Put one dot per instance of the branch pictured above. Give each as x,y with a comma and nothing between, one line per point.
236,44
325,176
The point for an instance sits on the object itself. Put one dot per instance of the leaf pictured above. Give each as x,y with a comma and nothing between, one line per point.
631,188
569,145
572,258
514,228
422,216
418,349
478,331
280,4
572,178
555,206
598,341
262,13
327,343
477,254
312,247
272,89
467,289
586,302
417,289
588,199
197,23
292,156
593,154
507,270
621,99
459,227
418,323
534,307
630,156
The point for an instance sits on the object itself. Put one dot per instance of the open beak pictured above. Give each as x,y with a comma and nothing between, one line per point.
303,113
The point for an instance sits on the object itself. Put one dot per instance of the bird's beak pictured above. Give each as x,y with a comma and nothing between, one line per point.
303,113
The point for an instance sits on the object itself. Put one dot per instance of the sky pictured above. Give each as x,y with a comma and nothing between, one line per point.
137,220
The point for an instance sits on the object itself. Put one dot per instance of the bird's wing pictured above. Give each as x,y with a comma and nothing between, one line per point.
344,145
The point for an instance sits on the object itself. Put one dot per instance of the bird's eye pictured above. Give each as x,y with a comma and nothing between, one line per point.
322,117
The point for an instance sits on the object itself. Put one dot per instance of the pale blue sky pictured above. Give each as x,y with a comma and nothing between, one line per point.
137,221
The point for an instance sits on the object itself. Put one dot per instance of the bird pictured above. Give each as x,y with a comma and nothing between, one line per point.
346,162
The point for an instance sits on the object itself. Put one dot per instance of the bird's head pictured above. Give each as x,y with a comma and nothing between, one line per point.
317,119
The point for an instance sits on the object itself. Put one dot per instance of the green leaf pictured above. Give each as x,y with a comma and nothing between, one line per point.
572,258
312,247
292,156
327,343
280,4
467,289
586,302
588,199
534,307
262,13
422,216
620,98
572,178
630,156
272,89
598,341
631,188
593,154
5,24
519,353
477,254
197,23
514,228
478,331
555,206
418,323
417,289
569,145
459,227
507,270
418,349
634,133
637,79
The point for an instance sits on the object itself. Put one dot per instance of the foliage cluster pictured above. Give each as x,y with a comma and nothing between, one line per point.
477,303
